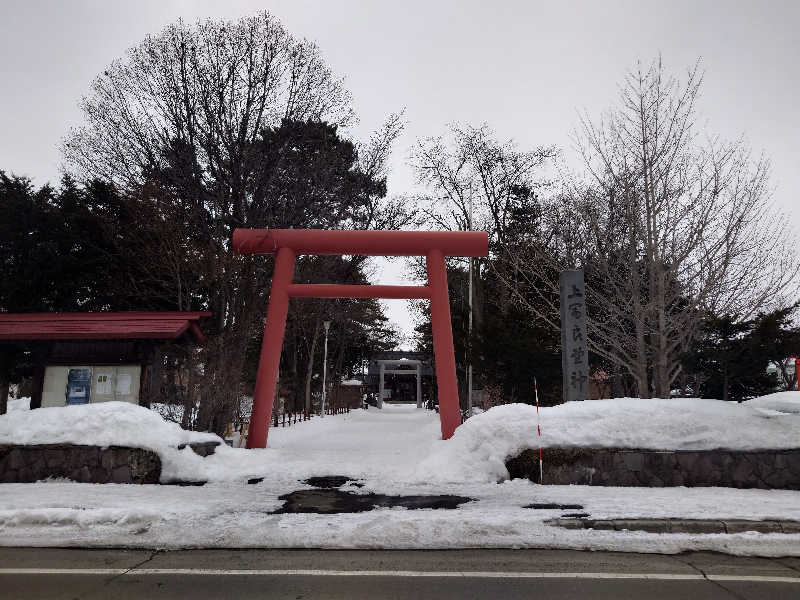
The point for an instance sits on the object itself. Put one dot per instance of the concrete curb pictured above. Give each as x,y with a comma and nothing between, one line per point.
702,526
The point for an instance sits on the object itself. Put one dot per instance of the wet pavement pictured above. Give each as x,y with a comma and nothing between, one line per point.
332,481
553,506
332,501
328,499
48,573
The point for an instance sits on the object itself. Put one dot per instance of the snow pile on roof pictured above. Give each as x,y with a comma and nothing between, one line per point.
352,382
478,449
105,424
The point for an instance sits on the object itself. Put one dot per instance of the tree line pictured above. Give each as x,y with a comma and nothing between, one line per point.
673,227
201,129
206,127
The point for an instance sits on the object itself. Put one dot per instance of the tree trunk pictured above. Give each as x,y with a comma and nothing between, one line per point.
188,397
725,383
310,369
223,365
37,383
155,375
295,379
3,394
640,371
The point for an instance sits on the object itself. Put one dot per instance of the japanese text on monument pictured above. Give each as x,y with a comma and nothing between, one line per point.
574,349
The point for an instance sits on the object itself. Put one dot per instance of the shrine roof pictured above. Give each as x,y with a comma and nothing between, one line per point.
100,325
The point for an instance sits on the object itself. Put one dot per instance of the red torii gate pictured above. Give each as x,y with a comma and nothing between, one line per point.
286,244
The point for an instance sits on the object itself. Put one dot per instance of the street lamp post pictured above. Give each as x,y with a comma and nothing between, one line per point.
325,368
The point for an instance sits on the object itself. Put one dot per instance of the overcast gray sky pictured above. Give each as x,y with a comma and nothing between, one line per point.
525,67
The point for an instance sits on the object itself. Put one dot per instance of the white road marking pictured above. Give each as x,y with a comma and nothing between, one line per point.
464,574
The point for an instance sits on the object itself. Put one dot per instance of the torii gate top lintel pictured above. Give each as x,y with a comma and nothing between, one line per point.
286,244
362,242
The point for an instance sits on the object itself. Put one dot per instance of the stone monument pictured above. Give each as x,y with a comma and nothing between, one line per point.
574,349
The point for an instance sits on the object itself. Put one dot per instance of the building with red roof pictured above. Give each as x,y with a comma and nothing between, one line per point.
80,358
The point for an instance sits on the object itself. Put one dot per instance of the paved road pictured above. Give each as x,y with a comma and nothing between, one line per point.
302,574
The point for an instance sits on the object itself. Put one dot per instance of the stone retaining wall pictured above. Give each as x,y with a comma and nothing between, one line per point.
87,464
764,469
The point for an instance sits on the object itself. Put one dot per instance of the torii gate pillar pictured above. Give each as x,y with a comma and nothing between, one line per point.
796,358
286,244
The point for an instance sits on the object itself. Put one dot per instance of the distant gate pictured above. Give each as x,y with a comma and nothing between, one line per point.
286,244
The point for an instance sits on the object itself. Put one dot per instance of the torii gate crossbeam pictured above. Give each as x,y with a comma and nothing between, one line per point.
286,244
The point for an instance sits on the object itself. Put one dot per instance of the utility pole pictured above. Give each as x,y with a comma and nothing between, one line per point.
325,369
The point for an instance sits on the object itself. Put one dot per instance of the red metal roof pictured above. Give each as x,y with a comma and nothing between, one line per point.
99,325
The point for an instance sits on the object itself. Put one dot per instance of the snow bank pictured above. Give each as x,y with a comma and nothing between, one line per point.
479,448
100,424
360,443
106,424
400,444
230,515
19,403
780,403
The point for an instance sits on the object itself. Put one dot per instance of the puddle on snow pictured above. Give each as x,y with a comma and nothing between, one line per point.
331,481
331,501
553,506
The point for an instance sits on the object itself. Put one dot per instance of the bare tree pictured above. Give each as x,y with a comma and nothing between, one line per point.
472,181
228,124
213,86
673,224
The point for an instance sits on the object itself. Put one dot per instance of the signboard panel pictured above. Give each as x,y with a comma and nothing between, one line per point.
79,386
574,347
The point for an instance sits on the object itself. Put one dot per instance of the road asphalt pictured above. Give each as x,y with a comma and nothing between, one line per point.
32,573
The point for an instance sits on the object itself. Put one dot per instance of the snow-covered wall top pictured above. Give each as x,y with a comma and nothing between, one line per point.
100,424
399,443
104,424
479,448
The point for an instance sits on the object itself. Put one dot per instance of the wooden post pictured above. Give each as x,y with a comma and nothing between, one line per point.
37,386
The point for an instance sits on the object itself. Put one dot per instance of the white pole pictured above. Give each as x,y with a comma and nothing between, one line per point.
325,368
539,429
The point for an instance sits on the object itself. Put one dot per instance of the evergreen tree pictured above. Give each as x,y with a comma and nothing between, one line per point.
730,359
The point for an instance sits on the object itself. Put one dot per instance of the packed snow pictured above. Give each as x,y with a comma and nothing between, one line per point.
15,404
402,443
397,450
479,448
778,403
237,515
105,424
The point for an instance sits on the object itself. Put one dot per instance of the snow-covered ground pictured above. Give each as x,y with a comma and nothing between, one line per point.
19,403
401,443
397,451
